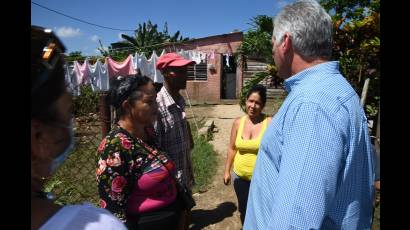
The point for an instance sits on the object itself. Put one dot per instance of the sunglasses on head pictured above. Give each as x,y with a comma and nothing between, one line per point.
46,50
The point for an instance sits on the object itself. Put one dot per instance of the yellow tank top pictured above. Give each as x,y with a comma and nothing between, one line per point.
247,150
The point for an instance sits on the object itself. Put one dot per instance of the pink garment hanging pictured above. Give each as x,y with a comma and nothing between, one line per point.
120,69
82,72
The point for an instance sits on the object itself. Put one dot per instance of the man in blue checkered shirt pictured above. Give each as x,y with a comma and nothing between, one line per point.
315,164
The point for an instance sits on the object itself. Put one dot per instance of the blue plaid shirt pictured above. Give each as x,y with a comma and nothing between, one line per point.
315,163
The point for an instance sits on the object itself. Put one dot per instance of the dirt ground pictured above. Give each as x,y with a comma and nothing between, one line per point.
217,207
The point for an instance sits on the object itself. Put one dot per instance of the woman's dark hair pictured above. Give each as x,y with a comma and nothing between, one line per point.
260,89
47,74
125,88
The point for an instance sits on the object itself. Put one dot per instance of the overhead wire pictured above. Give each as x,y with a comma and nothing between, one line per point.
78,19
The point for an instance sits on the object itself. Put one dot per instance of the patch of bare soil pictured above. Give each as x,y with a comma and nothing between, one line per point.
217,207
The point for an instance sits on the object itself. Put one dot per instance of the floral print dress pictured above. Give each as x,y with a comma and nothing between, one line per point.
133,176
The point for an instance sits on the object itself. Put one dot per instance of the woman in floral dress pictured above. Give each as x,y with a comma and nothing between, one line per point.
135,179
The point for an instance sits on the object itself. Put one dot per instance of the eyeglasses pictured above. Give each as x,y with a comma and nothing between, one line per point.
46,50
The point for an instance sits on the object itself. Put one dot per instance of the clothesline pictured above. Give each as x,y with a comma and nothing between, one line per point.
203,51
98,74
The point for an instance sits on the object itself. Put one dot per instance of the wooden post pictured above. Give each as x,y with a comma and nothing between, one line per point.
364,91
105,114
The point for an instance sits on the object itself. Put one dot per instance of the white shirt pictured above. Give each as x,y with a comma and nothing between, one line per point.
84,216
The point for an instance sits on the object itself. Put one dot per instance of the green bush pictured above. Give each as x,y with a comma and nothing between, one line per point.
87,102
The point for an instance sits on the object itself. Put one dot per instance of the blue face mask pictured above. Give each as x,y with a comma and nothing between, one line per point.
56,163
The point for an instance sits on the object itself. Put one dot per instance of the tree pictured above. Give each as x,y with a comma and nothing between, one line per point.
257,41
257,44
357,45
74,56
147,38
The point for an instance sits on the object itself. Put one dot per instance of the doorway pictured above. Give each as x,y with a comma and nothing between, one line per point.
228,77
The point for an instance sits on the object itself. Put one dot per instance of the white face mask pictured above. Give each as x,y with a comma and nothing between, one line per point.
58,161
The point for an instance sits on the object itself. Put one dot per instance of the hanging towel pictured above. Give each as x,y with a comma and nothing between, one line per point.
120,69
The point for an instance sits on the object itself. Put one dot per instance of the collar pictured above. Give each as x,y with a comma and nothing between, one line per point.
319,71
168,100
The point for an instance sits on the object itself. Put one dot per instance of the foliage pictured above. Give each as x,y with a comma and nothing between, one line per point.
146,38
203,160
257,41
74,56
87,102
357,45
257,44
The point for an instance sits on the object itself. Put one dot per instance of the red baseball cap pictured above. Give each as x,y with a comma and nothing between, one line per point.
172,60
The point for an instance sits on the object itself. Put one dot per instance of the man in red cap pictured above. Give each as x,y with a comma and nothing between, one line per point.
172,128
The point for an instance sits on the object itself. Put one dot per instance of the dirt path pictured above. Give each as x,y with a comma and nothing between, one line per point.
217,208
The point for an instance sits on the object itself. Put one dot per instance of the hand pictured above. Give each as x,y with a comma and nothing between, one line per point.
227,178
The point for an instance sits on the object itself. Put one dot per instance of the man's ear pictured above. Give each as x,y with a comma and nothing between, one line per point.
286,44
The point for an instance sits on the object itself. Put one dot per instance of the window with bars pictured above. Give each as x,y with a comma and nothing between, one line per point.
197,72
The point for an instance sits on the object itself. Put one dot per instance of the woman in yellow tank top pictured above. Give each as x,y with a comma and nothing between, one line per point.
246,135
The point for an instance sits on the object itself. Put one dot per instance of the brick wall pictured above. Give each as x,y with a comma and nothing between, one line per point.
210,91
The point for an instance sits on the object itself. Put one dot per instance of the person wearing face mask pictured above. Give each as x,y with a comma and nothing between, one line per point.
52,139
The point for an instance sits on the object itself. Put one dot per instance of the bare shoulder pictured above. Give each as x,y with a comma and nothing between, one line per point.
236,122
269,117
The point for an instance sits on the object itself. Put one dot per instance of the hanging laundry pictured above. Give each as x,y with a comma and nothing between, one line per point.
142,63
120,69
148,67
150,70
135,61
162,53
184,54
156,74
82,72
227,59
99,76
71,79
203,57
197,57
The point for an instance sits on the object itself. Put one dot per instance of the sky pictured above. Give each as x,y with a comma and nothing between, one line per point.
194,19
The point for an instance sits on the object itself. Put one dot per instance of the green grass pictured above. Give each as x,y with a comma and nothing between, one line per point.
204,163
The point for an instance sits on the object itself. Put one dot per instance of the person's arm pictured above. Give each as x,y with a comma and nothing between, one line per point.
311,160
113,176
231,152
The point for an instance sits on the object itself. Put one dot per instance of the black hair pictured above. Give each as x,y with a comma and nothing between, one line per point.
47,74
125,88
260,89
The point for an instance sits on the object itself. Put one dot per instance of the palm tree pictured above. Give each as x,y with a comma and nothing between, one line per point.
147,37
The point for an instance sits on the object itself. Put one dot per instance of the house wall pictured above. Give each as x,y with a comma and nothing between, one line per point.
210,91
